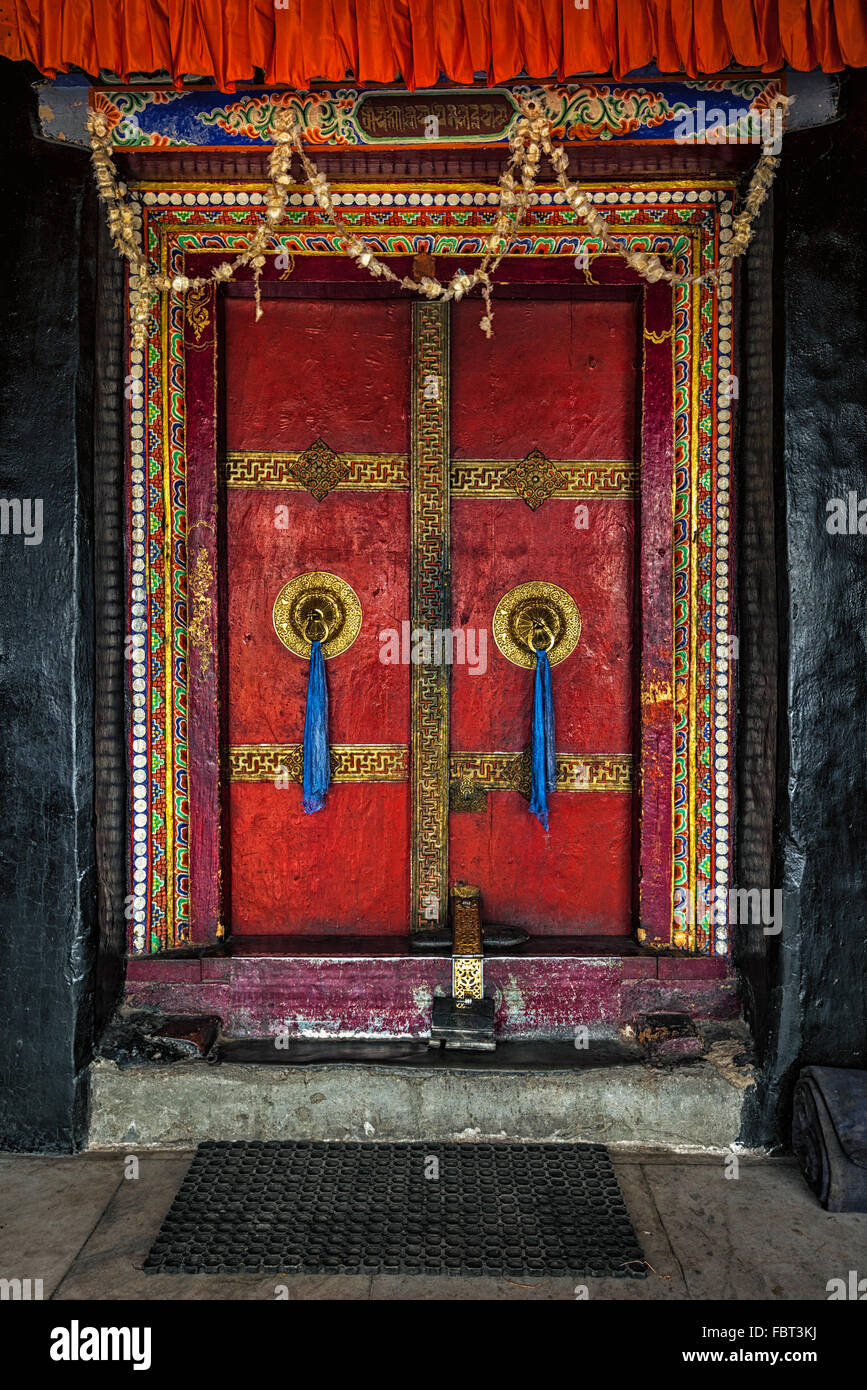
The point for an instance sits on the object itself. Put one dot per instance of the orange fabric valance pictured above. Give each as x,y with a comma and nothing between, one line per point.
416,41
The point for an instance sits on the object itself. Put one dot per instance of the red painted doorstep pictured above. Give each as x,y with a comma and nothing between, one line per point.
163,971
692,968
389,995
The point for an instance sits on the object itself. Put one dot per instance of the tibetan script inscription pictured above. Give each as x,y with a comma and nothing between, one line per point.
391,117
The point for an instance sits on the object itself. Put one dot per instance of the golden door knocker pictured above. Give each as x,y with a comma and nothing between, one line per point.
536,616
316,616
540,627
317,607
320,627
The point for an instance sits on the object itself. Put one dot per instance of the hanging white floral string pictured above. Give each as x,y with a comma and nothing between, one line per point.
647,264
528,141
515,198
144,283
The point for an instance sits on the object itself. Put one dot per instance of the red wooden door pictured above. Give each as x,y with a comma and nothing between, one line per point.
560,377
335,371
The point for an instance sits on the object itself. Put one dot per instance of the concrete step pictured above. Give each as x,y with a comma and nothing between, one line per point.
610,1096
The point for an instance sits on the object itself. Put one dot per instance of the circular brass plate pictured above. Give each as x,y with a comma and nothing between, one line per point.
528,604
315,599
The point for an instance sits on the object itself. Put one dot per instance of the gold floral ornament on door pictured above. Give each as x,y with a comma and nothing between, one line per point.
537,625
316,616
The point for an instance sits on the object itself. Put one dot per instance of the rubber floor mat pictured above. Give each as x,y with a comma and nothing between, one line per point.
508,1210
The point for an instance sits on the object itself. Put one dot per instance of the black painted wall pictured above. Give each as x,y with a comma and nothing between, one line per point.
47,873
61,781
815,973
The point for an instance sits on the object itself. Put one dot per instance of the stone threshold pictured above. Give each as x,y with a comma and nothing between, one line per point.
606,1093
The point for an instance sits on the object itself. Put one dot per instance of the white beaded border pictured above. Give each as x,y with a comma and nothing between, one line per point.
138,630
139,713
416,198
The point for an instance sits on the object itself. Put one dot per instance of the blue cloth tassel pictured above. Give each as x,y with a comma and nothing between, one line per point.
317,757
544,761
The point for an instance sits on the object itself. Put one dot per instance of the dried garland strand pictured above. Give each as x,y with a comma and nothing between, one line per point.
531,138
528,141
648,264
515,198
146,284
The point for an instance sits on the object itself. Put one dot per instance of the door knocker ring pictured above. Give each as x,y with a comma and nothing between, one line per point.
540,627
316,618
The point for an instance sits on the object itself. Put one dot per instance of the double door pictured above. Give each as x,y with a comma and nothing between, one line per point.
389,445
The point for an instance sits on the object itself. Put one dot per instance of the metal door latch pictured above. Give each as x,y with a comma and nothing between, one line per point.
465,1018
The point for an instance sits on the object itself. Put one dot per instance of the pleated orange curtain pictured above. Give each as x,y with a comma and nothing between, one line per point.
416,41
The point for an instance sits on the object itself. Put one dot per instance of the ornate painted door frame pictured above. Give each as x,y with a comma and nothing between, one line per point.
685,574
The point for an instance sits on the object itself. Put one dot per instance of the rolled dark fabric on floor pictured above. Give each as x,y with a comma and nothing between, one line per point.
829,1135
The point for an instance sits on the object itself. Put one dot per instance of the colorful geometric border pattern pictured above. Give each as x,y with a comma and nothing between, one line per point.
680,218
161,118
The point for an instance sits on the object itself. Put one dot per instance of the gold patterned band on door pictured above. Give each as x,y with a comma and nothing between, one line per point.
430,604
341,472
535,479
473,775
350,762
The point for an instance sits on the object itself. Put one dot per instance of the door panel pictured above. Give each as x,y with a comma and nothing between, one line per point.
343,871
364,538
497,544
345,868
560,377
343,364
574,881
